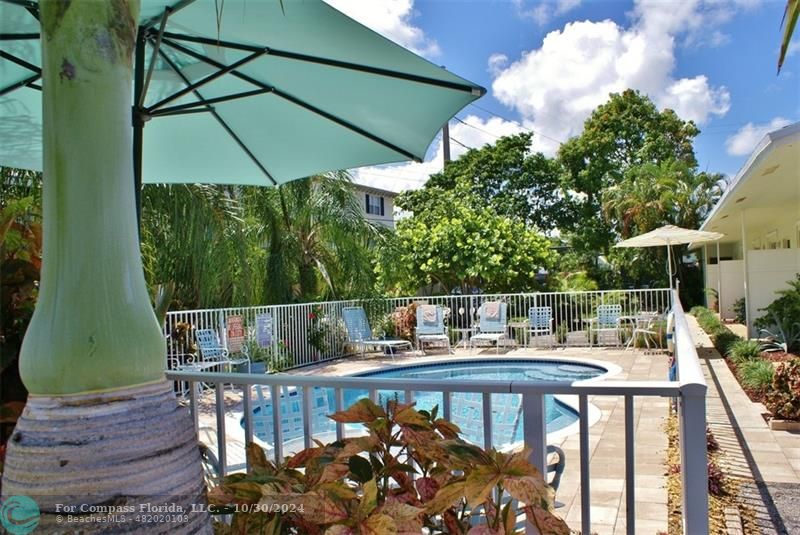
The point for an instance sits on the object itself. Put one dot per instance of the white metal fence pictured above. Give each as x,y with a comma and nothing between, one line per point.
313,332
689,388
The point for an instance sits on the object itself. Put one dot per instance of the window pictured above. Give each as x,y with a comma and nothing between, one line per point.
374,204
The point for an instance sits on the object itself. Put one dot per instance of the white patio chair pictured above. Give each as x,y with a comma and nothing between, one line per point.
359,332
212,351
430,327
540,323
493,324
607,321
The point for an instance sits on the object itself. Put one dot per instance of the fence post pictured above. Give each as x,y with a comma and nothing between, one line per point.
535,435
694,471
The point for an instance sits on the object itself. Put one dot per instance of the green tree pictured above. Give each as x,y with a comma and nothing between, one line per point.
196,236
626,132
510,178
316,239
452,244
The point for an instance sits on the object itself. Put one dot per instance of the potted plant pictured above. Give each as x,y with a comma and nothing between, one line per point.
259,356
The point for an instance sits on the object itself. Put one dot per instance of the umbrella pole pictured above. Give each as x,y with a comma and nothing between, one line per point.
138,128
669,265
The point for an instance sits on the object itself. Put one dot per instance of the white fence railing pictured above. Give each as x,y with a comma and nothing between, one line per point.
313,332
689,388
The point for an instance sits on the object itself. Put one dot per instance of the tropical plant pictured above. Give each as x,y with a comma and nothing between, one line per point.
740,310
195,235
783,314
316,238
20,263
755,374
743,350
785,337
410,474
783,399
789,21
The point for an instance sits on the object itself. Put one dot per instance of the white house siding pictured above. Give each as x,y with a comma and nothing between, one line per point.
768,272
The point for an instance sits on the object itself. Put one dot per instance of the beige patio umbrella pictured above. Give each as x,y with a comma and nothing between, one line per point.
670,235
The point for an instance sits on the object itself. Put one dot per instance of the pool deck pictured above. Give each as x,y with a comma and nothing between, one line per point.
606,436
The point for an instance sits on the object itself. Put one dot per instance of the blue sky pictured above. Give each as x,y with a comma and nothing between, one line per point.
547,64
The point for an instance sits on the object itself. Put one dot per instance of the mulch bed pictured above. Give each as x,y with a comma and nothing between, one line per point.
757,396
778,356
729,498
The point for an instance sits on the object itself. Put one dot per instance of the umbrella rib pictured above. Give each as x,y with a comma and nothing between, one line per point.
220,120
18,36
208,79
189,108
331,63
20,62
298,102
21,83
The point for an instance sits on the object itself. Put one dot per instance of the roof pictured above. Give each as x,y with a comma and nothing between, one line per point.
375,191
769,180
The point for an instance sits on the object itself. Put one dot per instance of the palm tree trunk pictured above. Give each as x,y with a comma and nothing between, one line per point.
101,425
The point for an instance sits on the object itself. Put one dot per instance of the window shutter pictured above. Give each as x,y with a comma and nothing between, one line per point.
382,214
366,205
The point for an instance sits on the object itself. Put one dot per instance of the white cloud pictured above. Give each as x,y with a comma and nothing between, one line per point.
392,19
497,62
745,139
476,133
555,87
794,48
545,10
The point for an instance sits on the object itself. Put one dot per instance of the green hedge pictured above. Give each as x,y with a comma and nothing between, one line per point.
722,337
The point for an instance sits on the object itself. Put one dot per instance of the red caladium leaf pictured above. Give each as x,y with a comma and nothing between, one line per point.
545,522
427,488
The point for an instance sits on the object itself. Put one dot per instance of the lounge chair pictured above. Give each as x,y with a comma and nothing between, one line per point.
212,351
540,323
359,332
493,324
430,327
607,320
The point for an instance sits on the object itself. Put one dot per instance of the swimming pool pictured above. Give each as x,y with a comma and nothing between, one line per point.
466,407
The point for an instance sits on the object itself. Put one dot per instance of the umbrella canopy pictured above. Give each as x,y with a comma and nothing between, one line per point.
244,92
669,235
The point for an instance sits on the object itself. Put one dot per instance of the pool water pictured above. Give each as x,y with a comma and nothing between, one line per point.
466,407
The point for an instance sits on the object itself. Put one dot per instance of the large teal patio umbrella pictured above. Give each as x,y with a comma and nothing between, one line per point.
240,91
246,92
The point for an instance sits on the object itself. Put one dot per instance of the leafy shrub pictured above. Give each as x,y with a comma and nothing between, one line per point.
721,336
783,399
744,350
363,484
756,374
740,310
723,340
785,310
